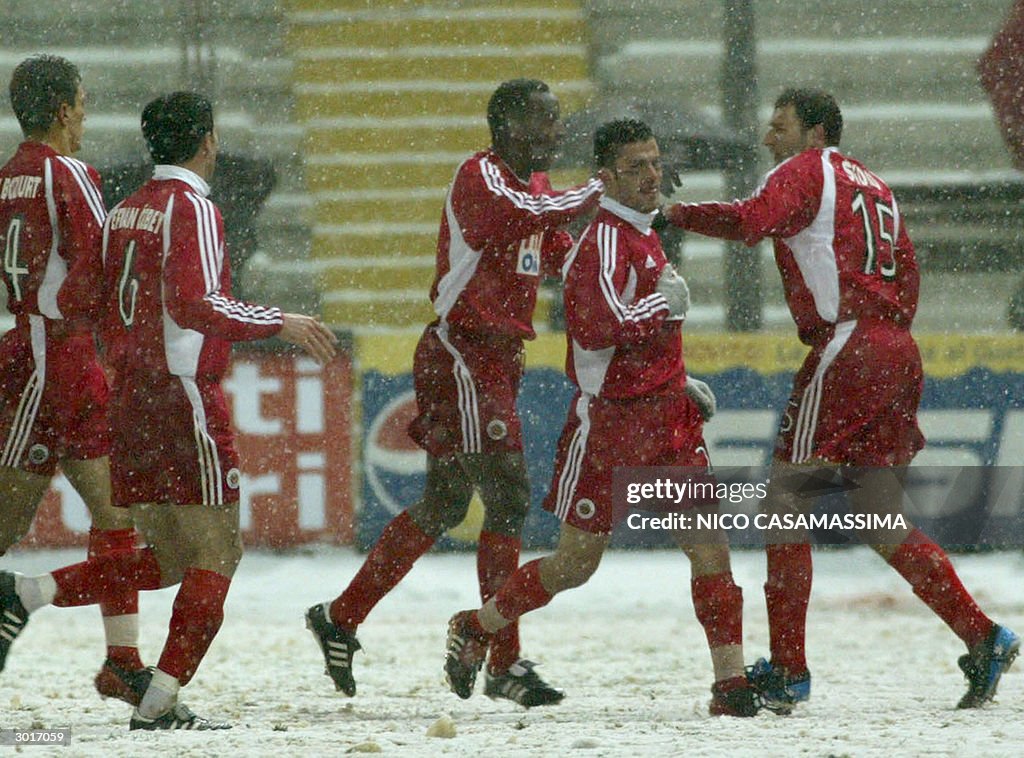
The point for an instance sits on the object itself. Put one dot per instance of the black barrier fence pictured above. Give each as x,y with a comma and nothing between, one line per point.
962,507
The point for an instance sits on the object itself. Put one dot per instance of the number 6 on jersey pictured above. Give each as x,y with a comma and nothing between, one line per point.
127,286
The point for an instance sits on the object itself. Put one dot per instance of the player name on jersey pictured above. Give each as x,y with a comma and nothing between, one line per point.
146,219
18,187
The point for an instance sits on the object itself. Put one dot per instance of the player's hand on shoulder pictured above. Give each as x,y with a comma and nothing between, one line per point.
311,335
701,394
675,291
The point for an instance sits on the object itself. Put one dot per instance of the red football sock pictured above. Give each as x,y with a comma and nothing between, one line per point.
522,593
926,566
105,576
718,603
400,545
195,618
497,558
787,593
120,610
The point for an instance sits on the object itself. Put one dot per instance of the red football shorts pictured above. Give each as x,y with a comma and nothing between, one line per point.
53,399
601,434
855,400
172,442
466,388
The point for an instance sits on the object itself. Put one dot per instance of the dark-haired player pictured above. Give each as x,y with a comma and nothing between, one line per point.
634,406
169,321
499,234
850,279
53,392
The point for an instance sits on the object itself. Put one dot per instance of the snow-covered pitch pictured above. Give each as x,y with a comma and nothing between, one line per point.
626,647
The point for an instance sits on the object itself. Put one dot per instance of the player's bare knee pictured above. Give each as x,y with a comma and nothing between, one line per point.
560,572
574,561
227,559
708,558
505,489
435,516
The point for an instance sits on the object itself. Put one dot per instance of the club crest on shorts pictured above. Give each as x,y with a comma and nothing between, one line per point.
497,429
38,453
585,508
233,478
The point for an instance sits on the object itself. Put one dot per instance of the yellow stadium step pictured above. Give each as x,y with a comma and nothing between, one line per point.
366,134
476,28
377,312
355,171
371,275
415,97
298,6
422,204
495,65
354,241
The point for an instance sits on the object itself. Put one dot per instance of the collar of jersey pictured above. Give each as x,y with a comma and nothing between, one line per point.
642,221
191,178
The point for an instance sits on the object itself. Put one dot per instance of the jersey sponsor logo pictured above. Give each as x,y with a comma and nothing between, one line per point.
38,453
529,255
650,263
497,429
233,478
585,508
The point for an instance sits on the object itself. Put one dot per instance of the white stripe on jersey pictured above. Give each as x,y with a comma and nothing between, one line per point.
469,407
92,195
24,418
56,267
571,256
813,247
810,403
607,250
570,475
462,264
239,311
28,404
181,346
210,476
536,204
210,252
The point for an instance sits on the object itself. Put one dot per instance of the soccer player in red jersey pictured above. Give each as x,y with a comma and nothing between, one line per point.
499,234
850,280
624,307
53,392
169,321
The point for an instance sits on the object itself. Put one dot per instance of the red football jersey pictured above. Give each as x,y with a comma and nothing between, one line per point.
840,245
167,284
51,214
492,245
622,343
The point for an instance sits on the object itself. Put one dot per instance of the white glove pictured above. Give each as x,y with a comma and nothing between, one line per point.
701,394
674,288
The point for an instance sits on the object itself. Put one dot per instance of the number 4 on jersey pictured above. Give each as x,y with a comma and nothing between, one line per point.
879,249
12,267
